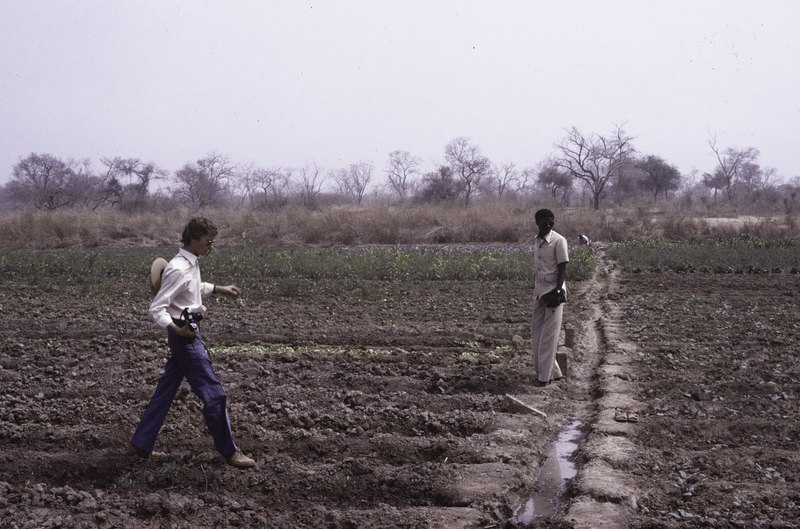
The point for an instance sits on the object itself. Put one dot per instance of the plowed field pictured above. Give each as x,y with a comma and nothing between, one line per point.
718,376
382,404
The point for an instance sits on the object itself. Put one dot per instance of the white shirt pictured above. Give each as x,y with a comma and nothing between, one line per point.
548,252
181,288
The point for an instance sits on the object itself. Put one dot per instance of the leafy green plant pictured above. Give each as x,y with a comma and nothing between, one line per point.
728,255
125,480
288,287
107,268
582,263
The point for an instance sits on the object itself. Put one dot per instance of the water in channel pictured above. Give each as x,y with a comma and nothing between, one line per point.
556,471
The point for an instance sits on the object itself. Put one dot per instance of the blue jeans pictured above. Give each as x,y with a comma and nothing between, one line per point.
189,359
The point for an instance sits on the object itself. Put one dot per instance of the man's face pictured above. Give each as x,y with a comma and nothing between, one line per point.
207,243
545,224
202,246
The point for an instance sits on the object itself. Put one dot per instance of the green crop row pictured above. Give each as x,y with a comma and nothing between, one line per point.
720,256
413,263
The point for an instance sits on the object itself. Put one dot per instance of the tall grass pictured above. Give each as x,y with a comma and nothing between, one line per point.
85,228
483,223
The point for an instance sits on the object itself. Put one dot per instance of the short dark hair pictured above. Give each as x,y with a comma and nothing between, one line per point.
196,228
543,213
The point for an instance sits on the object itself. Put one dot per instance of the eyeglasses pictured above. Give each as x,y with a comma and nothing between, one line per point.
209,243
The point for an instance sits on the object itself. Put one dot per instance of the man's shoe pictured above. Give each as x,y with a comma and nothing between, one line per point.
138,452
143,454
239,460
539,384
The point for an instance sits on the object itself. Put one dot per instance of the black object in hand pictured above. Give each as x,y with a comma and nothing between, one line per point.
189,317
554,298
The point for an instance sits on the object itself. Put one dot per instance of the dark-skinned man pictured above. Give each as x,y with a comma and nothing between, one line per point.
550,258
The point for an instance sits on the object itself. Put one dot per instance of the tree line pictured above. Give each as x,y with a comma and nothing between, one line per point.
584,169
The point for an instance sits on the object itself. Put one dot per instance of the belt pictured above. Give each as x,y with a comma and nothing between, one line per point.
196,317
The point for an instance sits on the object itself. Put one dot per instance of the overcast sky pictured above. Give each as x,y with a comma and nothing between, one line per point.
284,83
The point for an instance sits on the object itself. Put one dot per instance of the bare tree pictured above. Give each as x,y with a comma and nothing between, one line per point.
84,188
310,183
527,180
626,186
341,177
203,184
555,180
729,165
403,166
271,184
467,163
194,190
594,159
658,177
265,188
43,181
261,186
353,182
126,182
503,177
716,181
754,178
217,168
439,186
243,183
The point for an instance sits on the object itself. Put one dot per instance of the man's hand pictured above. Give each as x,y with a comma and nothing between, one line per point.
554,298
184,332
232,291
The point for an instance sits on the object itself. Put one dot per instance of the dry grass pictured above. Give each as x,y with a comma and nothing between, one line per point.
83,228
485,223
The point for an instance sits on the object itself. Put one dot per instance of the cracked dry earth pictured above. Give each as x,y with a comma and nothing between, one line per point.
382,404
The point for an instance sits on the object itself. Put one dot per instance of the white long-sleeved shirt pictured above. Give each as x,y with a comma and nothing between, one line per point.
181,288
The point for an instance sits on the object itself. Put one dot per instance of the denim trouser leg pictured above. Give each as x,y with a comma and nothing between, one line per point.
206,384
156,411
189,359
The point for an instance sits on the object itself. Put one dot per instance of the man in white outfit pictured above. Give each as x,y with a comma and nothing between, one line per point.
550,258
182,289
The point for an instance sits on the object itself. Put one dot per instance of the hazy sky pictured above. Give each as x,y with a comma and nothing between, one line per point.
283,83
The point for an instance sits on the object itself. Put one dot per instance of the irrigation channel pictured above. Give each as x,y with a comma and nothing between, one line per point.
553,477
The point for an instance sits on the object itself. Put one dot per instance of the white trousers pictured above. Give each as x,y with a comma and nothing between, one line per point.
546,329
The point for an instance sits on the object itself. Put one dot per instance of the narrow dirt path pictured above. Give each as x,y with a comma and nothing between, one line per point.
597,383
603,495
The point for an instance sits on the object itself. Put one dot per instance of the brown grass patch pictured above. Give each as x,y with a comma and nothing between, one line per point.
485,223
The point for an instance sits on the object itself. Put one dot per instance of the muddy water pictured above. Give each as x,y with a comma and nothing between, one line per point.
555,473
